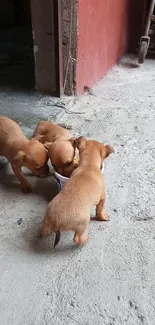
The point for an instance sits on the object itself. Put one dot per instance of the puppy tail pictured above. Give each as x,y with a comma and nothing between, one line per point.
57,238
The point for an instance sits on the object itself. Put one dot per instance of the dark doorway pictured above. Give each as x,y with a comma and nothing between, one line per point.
16,45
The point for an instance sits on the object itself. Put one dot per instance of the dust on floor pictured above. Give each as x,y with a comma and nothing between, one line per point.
110,280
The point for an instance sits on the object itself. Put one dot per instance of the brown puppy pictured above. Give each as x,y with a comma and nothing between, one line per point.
49,132
61,154
57,141
71,208
22,152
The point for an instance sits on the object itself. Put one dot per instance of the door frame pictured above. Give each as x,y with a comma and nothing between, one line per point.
40,28
58,47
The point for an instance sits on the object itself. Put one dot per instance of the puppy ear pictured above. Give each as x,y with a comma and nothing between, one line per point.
81,143
38,137
47,145
73,142
19,159
108,150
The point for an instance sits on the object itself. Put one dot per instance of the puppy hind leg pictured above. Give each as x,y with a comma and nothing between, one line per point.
45,230
101,215
81,235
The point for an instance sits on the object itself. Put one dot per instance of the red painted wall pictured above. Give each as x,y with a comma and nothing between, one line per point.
102,38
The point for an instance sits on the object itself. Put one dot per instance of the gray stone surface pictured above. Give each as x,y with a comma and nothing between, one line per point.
111,280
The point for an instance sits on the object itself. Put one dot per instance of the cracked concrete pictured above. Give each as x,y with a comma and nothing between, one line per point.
110,280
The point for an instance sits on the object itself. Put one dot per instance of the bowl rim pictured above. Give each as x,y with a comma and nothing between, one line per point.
64,178
60,176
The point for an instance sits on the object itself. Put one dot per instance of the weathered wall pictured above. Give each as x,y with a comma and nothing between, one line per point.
69,37
95,35
102,38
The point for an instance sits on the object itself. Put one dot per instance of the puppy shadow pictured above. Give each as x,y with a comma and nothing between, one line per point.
10,184
8,181
93,218
46,188
3,165
45,246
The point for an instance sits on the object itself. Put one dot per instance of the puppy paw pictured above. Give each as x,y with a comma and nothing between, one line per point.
102,217
80,240
83,240
26,188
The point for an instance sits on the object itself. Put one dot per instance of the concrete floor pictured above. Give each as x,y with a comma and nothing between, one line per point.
111,280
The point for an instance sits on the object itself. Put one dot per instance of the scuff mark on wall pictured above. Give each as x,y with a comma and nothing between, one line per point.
33,33
35,49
